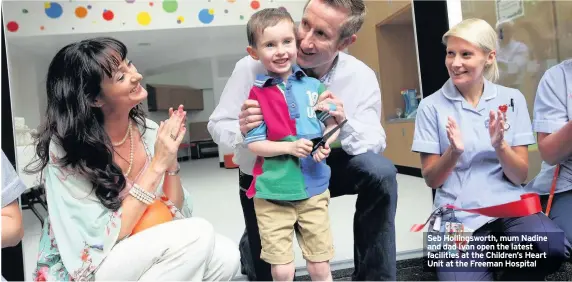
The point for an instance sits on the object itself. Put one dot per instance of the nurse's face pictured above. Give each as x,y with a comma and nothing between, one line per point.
466,62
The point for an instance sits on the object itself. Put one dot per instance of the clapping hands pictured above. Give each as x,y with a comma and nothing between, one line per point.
455,137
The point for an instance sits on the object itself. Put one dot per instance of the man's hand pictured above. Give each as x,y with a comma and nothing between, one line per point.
250,116
323,105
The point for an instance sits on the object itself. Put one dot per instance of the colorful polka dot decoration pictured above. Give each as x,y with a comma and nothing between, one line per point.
144,18
84,11
206,16
108,15
170,6
80,12
255,5
12,26
53,10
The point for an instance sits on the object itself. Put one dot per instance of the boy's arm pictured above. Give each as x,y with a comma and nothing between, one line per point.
268,148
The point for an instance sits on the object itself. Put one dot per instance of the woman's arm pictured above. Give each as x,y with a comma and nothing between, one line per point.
173,188
165,155
514,162
436,169
132,208
555,147
12,229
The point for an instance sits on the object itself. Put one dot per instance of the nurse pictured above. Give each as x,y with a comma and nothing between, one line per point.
552,113
473,137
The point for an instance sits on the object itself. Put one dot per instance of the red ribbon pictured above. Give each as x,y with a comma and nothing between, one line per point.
527,205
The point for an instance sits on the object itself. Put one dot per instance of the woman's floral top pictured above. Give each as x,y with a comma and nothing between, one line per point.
79,231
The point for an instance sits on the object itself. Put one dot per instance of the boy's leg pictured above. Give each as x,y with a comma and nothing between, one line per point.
315,236
276,224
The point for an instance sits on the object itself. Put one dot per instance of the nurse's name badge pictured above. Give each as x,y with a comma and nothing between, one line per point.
503,109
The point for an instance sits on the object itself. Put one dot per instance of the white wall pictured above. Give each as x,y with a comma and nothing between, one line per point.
218,87
27,75
195,74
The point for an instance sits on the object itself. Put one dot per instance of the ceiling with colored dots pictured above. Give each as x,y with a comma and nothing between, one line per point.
28,18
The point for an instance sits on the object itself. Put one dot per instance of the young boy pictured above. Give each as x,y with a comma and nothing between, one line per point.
290,185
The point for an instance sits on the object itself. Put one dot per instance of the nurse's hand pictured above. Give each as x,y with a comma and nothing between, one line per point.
454,135
496,128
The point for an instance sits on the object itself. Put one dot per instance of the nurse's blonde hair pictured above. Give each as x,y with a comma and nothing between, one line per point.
481,34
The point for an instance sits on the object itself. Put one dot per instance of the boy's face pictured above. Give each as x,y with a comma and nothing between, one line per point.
276,48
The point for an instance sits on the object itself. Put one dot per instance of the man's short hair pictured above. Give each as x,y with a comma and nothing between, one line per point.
356,10
263,19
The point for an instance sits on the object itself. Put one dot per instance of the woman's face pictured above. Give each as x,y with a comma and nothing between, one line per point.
123,89
465,61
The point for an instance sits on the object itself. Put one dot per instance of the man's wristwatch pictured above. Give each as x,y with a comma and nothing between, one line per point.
174,172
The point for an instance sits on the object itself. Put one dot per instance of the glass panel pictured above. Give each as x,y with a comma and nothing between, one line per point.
533,36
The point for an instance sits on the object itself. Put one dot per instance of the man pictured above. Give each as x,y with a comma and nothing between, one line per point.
327,27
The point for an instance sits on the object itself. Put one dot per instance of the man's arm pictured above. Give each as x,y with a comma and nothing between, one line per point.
330,125
12,188
12,229
363,131
223,123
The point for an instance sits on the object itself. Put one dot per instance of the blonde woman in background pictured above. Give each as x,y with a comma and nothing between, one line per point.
473,137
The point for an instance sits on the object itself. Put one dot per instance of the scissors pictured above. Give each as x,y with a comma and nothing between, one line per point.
321,141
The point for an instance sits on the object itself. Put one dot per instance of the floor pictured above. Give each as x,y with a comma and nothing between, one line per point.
215,198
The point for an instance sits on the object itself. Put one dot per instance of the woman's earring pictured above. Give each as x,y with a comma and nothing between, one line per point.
97,103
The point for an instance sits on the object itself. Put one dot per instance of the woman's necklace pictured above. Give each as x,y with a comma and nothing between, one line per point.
124,137
130,151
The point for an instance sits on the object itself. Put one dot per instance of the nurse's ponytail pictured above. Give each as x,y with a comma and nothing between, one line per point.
481,34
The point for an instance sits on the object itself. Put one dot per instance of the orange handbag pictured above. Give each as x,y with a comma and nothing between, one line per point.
552,189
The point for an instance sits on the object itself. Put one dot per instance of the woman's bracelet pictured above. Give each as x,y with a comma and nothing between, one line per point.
143,196
174,172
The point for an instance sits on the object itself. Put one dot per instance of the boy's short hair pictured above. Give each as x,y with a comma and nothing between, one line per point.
263,19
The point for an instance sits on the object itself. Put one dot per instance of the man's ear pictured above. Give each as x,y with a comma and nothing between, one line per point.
347,42
252,52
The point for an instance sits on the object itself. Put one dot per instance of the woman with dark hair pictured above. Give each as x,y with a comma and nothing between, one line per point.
103,164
